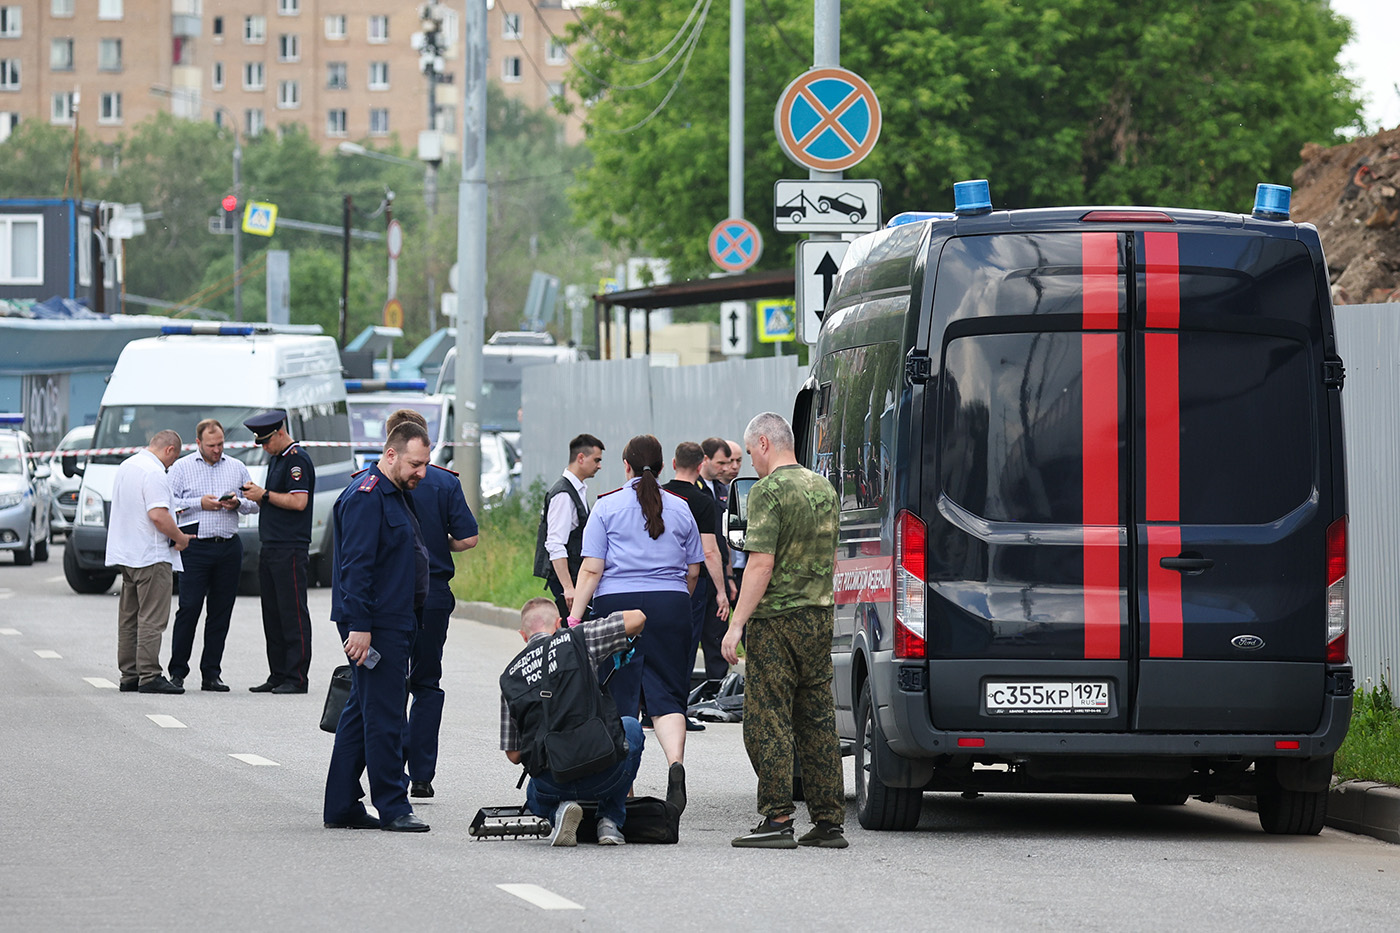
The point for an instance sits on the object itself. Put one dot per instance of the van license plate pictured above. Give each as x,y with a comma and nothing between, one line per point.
1083,696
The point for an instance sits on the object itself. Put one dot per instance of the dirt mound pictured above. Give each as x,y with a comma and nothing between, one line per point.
1352,194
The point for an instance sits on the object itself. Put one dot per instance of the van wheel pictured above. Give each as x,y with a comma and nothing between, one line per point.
879,806
1285,812
1159,798
83,581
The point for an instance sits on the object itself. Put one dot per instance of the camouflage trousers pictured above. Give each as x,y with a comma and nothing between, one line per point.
788,708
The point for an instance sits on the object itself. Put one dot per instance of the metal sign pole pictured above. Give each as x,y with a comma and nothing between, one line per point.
471,252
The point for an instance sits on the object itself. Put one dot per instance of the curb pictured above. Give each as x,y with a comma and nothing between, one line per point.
487,614
1362,807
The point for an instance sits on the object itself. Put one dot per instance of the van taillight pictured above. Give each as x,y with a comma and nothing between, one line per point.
1337,591
910,542
1128,217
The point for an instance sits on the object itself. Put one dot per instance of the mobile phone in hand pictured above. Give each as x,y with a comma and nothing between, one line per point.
227,496
371,657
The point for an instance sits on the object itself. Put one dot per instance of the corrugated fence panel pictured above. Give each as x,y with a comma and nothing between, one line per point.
618,399
1368,338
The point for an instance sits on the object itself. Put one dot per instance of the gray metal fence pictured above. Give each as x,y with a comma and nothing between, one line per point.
617,399
1368,337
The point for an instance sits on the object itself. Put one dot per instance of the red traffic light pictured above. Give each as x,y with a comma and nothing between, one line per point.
230,203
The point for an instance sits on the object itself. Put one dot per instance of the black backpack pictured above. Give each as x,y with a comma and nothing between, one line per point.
568,726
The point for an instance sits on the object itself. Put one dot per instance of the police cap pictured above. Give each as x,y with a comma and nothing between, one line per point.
265,424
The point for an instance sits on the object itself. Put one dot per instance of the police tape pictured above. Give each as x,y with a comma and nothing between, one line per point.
232,445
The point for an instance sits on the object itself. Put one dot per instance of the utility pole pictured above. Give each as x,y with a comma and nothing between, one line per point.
237,223
736,108
345,273
471,252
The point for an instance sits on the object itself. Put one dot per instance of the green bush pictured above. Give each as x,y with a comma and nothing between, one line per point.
500,569
1371,751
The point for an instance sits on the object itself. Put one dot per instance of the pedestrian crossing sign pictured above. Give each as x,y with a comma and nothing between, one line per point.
777,320
260,218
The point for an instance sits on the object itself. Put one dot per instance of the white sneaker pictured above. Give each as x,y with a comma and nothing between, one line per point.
565,822
609,834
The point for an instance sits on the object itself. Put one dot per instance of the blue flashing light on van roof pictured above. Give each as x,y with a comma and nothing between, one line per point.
917,217
11,419
386,385
1271,202
218,330
972,197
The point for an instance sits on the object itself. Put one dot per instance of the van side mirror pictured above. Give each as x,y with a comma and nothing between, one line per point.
738,520
70,466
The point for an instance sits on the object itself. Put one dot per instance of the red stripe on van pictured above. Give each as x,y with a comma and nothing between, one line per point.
1102,606
1164,630
1162,427
1100,281
1163,280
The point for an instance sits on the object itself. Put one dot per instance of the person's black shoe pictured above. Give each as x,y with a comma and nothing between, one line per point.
214,685
287,686
178,681
675,786
767,835
420,789
408,823
128,686
159,684
266,686
824,835
693,725
358,821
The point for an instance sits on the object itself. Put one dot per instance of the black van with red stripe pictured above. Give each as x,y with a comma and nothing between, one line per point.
1093,507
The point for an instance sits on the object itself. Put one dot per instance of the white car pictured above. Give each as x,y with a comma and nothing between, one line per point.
24,496
64,489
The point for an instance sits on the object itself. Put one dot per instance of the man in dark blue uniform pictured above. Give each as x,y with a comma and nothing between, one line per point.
378,590
448,525
284,534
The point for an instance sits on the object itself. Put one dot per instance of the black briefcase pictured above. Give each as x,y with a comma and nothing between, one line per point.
336,698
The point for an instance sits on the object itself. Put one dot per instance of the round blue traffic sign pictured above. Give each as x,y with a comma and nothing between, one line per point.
828,119
735,244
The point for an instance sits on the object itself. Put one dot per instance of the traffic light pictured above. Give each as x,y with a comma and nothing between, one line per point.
230,213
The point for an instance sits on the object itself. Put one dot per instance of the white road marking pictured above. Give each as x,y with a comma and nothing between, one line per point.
166,722
256,760
56,580
47,653
9,631
540,897
101,683
6,594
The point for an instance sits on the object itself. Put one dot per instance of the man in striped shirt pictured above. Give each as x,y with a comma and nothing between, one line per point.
205,489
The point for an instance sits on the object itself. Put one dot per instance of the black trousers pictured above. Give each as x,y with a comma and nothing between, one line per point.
286,620
210,577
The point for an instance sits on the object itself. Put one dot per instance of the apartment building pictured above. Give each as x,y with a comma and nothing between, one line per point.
343,69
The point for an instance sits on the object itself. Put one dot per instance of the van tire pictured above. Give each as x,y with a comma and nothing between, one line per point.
879,806
84,581
1284,812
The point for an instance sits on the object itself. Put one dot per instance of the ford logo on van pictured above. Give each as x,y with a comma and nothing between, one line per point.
1247,642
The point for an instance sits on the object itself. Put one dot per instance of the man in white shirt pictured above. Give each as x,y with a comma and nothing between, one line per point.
559,541
144,543
205,486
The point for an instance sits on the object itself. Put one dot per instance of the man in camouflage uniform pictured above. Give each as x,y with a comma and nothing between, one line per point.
787,592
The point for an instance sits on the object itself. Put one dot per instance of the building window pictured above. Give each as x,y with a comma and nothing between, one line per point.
289,47
335,122
336,76
558,53
111,107
217,80
61,8
510,68
109,55
379,29
109,9
288,7
62,109
335,27
254,76
556,90
22,249
510,26
255,29
253,121
60,54
446,120
379,76
219,28
288,94
9,74
379,121
10,22
8,123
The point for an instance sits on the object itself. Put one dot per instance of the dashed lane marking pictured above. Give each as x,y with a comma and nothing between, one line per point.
9,631
166,722
540,897
255,760
47,653
102,683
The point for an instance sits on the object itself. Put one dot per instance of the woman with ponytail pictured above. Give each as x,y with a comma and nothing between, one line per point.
641,550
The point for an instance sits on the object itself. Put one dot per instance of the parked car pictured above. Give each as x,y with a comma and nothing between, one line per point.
24,495
64,489
500,469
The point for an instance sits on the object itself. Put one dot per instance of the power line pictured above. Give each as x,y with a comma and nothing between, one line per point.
781,35
592,37
694,44
694,35
528,57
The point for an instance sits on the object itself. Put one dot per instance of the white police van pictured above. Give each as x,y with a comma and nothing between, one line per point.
228,372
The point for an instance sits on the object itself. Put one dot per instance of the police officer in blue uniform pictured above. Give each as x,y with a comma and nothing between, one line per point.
448,525
284,535
379,586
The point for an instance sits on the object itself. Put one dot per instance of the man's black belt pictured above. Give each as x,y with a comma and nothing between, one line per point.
216,538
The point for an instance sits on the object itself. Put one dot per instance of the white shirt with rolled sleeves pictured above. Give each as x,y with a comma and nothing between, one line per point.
132,538
562,518
632,561
192,477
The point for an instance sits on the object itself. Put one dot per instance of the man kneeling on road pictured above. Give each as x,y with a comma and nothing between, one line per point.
559,723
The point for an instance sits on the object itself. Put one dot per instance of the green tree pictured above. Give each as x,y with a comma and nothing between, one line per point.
34,160
1055,101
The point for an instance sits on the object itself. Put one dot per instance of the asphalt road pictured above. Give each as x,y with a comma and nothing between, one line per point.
115,822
